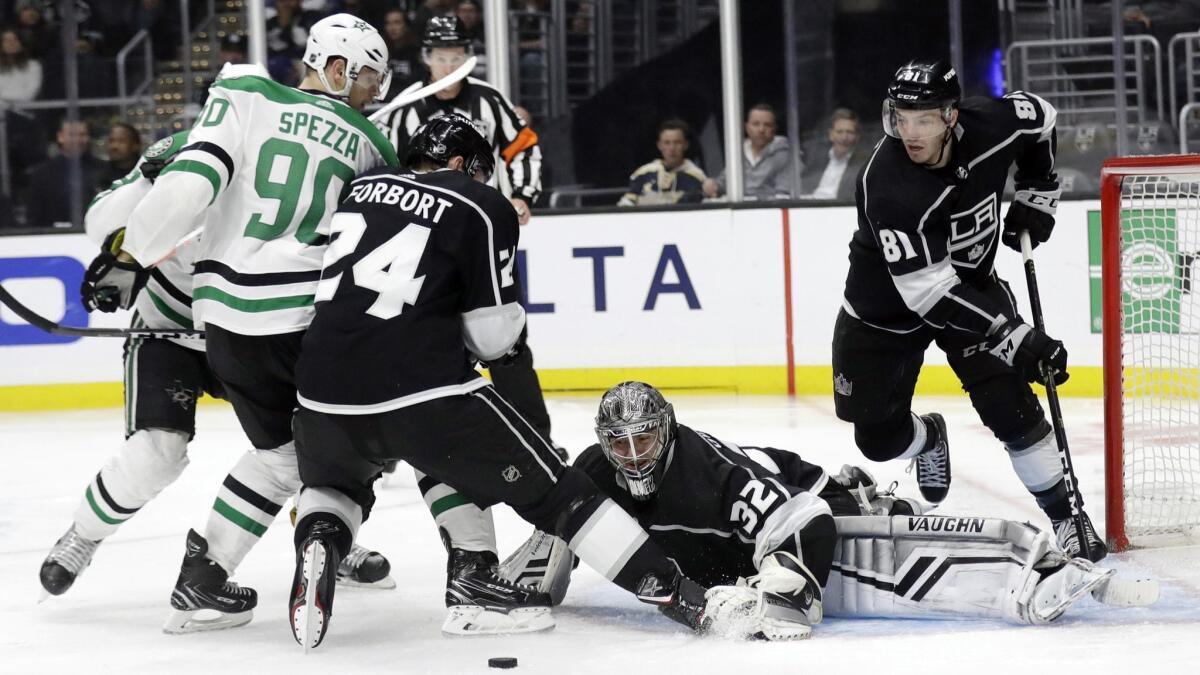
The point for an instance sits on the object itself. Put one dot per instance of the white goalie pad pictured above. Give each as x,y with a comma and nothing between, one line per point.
927,566
544,562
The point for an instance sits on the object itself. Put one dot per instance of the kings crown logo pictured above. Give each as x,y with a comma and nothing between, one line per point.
843,386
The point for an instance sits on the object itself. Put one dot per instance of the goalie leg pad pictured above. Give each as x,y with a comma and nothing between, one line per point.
544,562
150,460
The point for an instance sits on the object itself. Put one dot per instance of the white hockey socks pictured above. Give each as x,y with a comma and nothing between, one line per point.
150,460
249,499
463,524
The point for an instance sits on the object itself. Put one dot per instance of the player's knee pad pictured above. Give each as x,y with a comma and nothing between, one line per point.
882,441
272,472
150,460
1007,406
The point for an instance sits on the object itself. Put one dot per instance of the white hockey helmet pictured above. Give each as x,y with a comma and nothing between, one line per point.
351,38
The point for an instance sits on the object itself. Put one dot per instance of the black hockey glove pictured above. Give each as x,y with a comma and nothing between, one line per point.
1027,349
1032,211
153,166
111,284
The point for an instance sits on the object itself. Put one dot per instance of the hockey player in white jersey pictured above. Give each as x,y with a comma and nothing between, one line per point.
163,380
266,165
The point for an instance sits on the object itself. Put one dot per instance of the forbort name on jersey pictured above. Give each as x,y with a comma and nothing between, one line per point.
320,130
407,198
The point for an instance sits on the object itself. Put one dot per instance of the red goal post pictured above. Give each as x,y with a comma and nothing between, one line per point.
1150,213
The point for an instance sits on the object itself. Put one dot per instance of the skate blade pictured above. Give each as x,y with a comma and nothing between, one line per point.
310,619
385,584
468,620
183,621
1128,592
42,596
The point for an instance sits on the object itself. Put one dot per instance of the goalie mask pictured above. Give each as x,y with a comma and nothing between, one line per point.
348,37
636,428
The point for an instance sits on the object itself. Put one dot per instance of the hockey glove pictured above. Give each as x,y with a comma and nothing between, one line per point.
1027,349
109,283
153,166
1032,211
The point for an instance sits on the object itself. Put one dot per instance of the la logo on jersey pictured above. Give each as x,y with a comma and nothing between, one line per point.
972,232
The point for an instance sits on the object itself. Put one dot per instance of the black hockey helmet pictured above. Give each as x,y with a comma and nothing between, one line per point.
448,136
637,430
445,31
924,85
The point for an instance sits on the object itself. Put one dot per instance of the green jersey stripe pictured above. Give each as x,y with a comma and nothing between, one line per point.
279,93
167,311
237,518
246,305
91,500
446,503
200,169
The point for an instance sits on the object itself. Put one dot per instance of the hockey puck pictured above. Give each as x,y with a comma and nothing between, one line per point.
502,662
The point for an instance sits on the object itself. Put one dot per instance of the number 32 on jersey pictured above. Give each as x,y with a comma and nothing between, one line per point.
390,270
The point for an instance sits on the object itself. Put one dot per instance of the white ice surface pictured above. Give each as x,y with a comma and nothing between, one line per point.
110,621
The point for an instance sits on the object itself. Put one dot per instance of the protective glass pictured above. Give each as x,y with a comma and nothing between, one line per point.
914,125
367,77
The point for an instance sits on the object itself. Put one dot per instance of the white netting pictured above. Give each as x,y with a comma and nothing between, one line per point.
1160,352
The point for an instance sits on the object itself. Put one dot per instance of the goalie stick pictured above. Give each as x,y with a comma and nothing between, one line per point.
38,321
428,90
1060,433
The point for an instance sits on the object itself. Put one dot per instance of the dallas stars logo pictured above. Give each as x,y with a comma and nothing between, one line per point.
181,395
362,25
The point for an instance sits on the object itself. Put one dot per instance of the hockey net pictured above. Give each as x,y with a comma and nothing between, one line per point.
1151,265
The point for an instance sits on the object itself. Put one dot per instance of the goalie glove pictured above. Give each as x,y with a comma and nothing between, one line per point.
1027,349
784,575
1032,211
110,283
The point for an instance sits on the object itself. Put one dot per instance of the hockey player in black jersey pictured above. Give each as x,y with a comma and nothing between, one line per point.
922,271
746,520
469,533
417,286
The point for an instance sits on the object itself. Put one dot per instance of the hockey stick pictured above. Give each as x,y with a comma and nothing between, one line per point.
428,90
38,321
1060,433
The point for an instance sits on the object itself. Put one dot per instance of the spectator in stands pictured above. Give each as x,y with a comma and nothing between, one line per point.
670,179
766,160
471,16
36,35
404,52
52,182
233,49
831,174
20,75
287,35
124,149
428,10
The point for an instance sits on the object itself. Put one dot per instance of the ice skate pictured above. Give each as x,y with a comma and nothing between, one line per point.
363,568
311,604
66,561
480,601
202,590
1068,539
933,464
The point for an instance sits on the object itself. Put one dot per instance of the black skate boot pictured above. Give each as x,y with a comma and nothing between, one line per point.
311,605
933,464
66,561
1068,539
364,568
205,585
481,601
